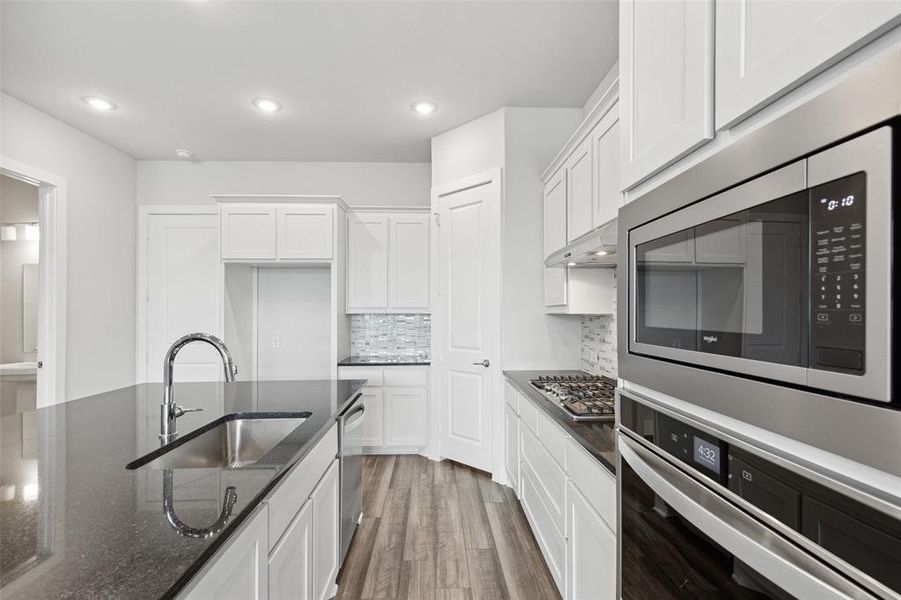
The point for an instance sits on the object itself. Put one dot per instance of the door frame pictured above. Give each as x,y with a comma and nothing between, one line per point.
438,395
52,202
144,213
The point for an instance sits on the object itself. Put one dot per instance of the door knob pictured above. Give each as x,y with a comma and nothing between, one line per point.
485,363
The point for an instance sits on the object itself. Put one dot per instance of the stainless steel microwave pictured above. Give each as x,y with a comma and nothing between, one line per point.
786,277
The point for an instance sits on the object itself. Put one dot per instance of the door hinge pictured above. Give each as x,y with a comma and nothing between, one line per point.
437,216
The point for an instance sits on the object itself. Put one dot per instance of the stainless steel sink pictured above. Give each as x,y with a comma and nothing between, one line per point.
231,443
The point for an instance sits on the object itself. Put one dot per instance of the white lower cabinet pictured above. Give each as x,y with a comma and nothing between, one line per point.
397,407
568,497
326,534
239,571
590,550
291,562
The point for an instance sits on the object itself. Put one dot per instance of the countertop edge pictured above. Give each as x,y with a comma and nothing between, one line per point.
350,361
545,405
184,581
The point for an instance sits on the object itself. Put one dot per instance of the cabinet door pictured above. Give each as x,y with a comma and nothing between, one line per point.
578,188
590,551
305,231
408,262
406,416
238,571
374,421
291,562
248,232
606,198
763,49
511,439
367,268
666,82
326,534
555,237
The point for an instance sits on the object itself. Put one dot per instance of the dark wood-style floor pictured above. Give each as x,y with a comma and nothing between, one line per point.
441,531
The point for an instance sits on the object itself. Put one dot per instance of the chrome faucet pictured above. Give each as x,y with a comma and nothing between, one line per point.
169,410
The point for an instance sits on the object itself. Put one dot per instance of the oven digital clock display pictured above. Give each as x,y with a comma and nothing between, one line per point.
707,454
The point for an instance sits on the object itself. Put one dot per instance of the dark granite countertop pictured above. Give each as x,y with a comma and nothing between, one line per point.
597,437
75,523
383,361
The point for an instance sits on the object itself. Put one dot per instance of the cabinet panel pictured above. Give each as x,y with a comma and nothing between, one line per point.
594,481
548,477
408,261
550,541
305,232
666,83
238,571
555,237
590,551
326,524
374,420
606,198
291,562
367,267
511,440
579,191
764,49
372,375
248,232
405,416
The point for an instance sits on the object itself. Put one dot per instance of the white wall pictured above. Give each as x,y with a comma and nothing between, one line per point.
469,149
611,76
18,204
530,338
359,184
101,242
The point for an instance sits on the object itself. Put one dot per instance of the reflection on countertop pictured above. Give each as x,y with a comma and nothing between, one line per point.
387,360
75,521
597,437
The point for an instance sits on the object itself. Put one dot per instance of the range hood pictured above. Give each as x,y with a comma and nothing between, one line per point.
597,248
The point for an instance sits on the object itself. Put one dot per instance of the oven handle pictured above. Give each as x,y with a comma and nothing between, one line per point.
764,550
354,418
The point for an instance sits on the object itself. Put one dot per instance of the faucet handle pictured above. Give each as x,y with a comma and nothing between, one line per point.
180,410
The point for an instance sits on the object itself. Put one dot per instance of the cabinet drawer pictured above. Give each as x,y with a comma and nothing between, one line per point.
400,376
511,396
552,437
294,490
596,483
551,542
549,479
528,413
372,375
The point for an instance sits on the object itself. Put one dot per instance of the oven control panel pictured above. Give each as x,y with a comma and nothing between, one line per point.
838,274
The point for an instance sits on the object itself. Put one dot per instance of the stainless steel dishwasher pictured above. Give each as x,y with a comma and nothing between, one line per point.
350,438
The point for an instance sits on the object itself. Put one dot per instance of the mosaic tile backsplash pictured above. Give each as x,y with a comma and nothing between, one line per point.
381,336
599,343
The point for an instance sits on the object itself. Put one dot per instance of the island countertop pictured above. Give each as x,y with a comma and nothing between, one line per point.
74,522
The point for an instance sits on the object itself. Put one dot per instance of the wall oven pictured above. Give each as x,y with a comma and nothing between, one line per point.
703,515
786,277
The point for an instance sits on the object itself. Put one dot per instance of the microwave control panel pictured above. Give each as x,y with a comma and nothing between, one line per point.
838,272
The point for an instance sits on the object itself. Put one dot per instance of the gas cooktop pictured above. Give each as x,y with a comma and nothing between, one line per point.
582,397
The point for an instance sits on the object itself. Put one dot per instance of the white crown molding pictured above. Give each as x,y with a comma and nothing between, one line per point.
281,198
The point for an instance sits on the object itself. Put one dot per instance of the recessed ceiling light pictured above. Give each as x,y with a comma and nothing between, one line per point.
570,264
184,154
424,107
601,253
267,105
100,104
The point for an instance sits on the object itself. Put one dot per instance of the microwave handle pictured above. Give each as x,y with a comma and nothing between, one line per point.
764,550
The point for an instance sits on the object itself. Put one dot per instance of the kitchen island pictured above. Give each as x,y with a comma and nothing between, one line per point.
74,522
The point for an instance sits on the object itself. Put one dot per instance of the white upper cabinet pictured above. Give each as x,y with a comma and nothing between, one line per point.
555,237
666,82
579,188
367,284
408,261
765,48
305,231
388,262
248,231
606,195
287,232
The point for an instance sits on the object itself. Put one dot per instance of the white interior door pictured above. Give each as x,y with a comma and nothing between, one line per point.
182,290
468,357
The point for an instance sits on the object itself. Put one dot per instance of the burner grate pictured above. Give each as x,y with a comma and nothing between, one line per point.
583,397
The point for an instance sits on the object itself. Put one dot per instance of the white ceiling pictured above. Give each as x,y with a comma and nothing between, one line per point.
184,73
